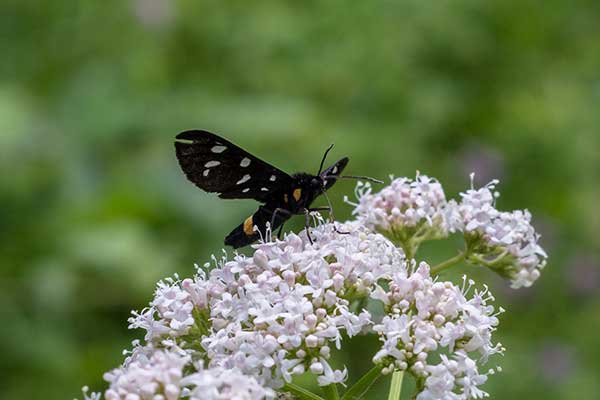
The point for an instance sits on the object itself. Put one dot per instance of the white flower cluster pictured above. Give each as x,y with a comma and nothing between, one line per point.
151,374
278,312
179,308
426,317
411,211
243,328
503,241
408,209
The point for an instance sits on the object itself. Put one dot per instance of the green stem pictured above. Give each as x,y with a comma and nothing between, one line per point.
396,386
448,263
331,392
410,249
358,390
300,392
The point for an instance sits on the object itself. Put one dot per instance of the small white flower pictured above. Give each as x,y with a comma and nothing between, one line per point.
87,395
331,376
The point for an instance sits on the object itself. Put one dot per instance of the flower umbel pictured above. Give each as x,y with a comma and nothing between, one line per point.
503,241
424,316
408,211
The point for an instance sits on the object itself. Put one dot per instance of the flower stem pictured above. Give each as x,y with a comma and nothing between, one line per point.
396,386
448,263
331,392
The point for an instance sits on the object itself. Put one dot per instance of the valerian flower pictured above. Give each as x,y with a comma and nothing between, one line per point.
158,373
408,211
243,328
503,241
283,308
179,308
427,321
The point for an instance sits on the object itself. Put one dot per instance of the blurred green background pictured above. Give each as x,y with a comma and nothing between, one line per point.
94,209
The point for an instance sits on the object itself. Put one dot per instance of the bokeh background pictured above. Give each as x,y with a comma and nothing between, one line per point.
94,210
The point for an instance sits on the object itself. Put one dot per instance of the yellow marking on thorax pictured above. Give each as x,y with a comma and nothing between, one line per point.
249,226
285,198
297,193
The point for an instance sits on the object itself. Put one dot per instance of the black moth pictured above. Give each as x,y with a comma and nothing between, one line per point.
217,165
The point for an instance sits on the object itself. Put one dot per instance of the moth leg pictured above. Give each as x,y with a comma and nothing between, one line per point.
324,208
282,211
340,232
307,224
331,218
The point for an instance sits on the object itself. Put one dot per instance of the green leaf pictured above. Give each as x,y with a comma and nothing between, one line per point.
300,392
358,390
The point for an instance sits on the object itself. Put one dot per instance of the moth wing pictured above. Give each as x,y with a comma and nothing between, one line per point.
245,233
334,171
216,165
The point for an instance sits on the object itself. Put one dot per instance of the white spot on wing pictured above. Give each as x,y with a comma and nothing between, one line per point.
272,178
245,162
211,164
246,190
245,178
334,170
206,171
264,189
218,149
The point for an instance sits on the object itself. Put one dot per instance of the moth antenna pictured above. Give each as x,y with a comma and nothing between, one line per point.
366,178
324,157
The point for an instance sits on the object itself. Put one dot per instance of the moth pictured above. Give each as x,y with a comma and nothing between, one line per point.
216,165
